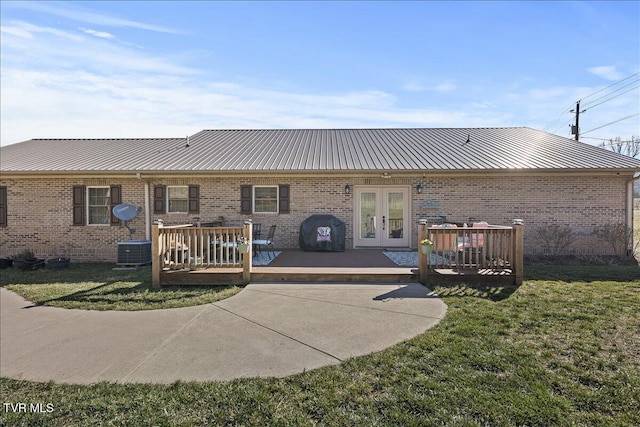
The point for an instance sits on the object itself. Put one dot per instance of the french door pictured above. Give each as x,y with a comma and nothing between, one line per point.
382,216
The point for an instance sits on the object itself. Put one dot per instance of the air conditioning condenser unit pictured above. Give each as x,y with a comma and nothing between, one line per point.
134,252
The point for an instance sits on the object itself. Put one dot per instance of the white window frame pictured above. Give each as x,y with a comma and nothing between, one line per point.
89,206
253,199
169,199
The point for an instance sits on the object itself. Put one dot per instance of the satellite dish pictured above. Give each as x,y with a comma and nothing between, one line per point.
125,211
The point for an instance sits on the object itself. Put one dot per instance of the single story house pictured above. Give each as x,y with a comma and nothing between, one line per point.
56,195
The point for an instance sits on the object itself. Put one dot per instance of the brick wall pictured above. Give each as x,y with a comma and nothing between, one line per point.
578,202
40,213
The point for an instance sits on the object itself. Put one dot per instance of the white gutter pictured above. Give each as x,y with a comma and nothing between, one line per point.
147,209
630,211
147,212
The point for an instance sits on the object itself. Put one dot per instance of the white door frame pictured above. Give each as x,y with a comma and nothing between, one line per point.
377,233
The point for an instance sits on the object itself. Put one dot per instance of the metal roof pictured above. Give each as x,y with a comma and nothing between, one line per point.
318,150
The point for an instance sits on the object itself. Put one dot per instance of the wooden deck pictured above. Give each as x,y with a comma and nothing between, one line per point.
208,256
335,274
213,276
331,270
352,266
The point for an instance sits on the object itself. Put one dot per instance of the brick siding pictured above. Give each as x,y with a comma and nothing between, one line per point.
40,211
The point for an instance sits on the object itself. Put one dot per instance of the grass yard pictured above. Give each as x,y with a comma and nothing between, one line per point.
96,286
561,350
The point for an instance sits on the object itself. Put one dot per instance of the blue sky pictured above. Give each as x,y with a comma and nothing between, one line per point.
169,69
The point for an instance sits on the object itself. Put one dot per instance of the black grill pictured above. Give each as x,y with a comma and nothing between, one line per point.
322,233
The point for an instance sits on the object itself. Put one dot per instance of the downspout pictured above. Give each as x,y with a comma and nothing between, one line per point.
630,211
630,185
147,210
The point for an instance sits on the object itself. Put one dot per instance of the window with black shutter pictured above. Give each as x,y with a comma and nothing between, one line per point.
159,199
115,198
265,199
245,199
78,204
194,199
284,199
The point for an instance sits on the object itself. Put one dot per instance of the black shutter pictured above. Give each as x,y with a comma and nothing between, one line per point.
3,206
78,204
284,198
115,198
245,199
194,199
158,199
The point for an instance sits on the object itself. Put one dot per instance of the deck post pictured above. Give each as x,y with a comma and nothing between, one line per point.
422,258
156,256
247,258
518,251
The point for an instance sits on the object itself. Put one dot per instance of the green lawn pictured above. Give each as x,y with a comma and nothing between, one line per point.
97,286
561,350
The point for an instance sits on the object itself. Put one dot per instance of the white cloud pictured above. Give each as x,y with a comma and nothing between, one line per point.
100,34
607,72
73,86
36,47
413,87
84,104
57,84
443,87
447,86
77,13
28,31
549,93
16,31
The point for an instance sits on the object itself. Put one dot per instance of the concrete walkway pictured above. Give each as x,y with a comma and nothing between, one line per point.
265,330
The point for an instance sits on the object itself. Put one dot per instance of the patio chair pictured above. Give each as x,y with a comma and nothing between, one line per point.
268,242
472,245
445,244
475,241
256,229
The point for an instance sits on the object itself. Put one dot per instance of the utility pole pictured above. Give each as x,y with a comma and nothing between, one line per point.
575,130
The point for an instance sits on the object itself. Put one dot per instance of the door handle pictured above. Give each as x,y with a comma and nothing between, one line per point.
383,218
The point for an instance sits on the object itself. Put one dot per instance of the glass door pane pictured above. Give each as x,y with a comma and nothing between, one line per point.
395,215
368,204
381,217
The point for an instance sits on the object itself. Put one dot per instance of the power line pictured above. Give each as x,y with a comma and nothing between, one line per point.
589,106
605,139
566,110
617,143
610,123
612,84
575,129
562,125
594,103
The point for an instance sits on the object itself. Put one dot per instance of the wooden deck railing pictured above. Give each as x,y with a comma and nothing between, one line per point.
185,247
490,248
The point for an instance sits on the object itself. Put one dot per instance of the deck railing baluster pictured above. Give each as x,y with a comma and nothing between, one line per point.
481,248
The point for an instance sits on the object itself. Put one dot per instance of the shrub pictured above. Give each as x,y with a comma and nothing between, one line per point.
621,238
555,238
26,254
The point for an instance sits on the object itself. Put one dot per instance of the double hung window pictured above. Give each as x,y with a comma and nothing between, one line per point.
98,206
178,199
265,199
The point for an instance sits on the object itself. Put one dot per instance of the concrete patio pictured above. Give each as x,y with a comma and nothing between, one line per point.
266,330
